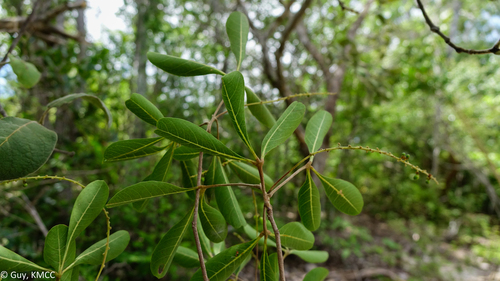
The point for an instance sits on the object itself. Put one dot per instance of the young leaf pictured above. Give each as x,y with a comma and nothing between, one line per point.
213,222
309,204
220,267
284,127
94,254
316,274
144,109
311,256
27,74
25,146
11,261
181,67
184,153
316,129
259,111
87,207
55,245
144,190
249,174
233,94
186,257
71,97
237,31
227,202
343,195
132,149
294,235
267,272
165,250
188,134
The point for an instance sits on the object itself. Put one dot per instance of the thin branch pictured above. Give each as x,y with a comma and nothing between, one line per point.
105,254
493,50
43,178
256,186
195,222
288,179
34,214
345,8
70,153
2,111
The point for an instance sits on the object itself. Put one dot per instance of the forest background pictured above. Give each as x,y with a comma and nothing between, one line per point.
396,84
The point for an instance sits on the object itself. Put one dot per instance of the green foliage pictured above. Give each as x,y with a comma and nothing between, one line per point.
294,235
213,222
260,111
237,30
132,149
316,274
27,74
343,195
181,67
144,109
309,204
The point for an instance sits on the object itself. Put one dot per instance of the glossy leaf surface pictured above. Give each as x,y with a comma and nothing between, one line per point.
181,67
144,109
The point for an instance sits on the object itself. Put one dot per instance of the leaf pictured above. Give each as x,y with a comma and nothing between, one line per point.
55,245
94,254
316,274
252,233
166,249
273,260
183,153
163,166
218,247
259,111
249,174
284,127
316,130
213,222
294,235
233,94
144,190
189,179
132,149
309,204
343,195
10,261
188,134
181,67
220,267
140,206
267,272
243,264
204,241
27,74
226,201
311,256
186,257
25,146
237,30
71,97
144,109
87,207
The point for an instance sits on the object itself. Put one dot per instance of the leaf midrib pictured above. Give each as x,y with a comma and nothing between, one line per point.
11,134
264,152
342,194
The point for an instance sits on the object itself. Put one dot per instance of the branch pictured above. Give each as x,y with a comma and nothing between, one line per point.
493,50
34,214
345,8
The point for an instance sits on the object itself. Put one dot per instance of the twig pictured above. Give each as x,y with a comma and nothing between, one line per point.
70,153
34,214
107,244
195,222
493,50
43,178
256,186
288,179
345,8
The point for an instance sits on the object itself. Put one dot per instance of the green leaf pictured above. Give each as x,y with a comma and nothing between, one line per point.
184,153
220,267
343,195
132,149
71,97
316,274
186,257
140,206
213,222
188,134
249,174
284,127
316,130
55,245
252,233
144,190
27,74
243,264
267,272
166,249
10,261
237,31
87,207
94,254
233,94
163,166
204,241
226,201
294,235
189,176
309,204
181,67
25,146
144,109
259,111
311,256
273,260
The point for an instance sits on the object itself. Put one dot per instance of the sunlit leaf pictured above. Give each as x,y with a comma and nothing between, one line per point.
25,146
316,129
343,195
237,30
311,256
284,127
181,67
144,109
294,235
316,274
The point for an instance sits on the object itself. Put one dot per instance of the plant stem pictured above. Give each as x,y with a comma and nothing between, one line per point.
256,186
270,216
289,178
107,244
195,221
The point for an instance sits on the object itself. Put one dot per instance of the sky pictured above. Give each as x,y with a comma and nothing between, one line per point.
102,15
